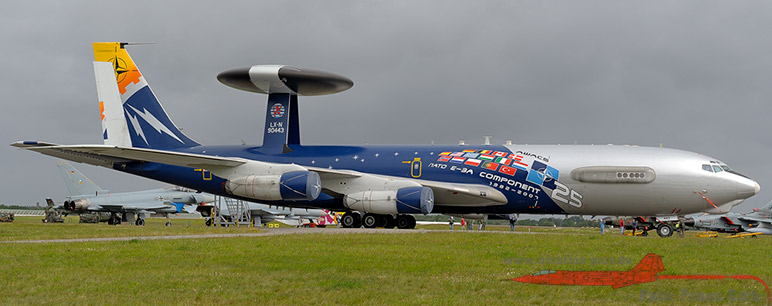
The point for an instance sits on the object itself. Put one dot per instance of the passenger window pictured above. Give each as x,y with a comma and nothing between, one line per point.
707,168
717,168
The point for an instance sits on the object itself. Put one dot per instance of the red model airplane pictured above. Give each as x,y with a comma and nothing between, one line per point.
644,272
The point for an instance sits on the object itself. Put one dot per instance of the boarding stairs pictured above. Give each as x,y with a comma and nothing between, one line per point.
230,211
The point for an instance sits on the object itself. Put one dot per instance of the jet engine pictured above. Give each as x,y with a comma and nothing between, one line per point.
410,200
289,186
80,204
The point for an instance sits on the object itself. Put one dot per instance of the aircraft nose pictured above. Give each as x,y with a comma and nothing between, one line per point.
747,188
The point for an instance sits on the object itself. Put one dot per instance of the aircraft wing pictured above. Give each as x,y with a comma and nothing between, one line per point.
752,219
103,153
135,207
452,194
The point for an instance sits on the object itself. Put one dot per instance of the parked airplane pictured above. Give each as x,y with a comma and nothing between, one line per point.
87,196
757,221
387,181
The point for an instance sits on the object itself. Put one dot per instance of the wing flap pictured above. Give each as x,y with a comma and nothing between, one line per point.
454,194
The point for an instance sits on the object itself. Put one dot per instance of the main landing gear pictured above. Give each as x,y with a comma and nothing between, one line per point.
115,219
370,220
664,230
665,226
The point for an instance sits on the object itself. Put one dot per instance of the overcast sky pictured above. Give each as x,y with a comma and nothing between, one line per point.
692,75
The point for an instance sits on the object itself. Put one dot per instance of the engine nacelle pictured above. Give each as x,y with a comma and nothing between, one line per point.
407,200
290,186
80,204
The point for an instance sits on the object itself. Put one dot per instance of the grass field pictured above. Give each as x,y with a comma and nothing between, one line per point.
461,268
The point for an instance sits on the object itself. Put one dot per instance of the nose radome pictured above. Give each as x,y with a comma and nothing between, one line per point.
747,188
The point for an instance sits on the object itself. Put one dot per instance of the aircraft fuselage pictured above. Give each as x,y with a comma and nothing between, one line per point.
535,179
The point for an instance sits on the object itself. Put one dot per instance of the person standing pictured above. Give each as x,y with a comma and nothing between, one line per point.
463,224
621,226
602,227
450,222
512,221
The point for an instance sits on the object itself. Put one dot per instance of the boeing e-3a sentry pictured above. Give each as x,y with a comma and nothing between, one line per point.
86,196
382,184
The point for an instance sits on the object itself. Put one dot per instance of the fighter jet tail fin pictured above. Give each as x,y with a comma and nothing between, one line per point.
651,263
77,183
131,114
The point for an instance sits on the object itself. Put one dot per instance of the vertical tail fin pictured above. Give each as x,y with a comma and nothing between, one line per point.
651,263
767,208
76,182
131,113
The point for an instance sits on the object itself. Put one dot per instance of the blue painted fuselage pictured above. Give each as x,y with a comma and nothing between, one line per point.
409,162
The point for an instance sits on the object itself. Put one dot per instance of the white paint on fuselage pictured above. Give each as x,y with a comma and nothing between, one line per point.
676,188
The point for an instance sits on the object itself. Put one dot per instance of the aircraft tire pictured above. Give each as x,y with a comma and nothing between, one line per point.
390,222
381,220
141,222
209,222
370,220
665,230
413,223
350,220
403,221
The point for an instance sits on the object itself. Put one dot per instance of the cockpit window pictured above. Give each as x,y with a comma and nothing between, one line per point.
715,167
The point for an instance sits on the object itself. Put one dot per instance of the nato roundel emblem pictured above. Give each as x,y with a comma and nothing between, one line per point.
277,110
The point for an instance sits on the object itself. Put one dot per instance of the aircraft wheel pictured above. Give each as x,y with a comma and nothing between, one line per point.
665,230
141,222
412,222
403,221
390,222
350,219
382,220
209,222
370,220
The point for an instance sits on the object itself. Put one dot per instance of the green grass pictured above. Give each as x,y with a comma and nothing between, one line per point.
434,268
28,228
